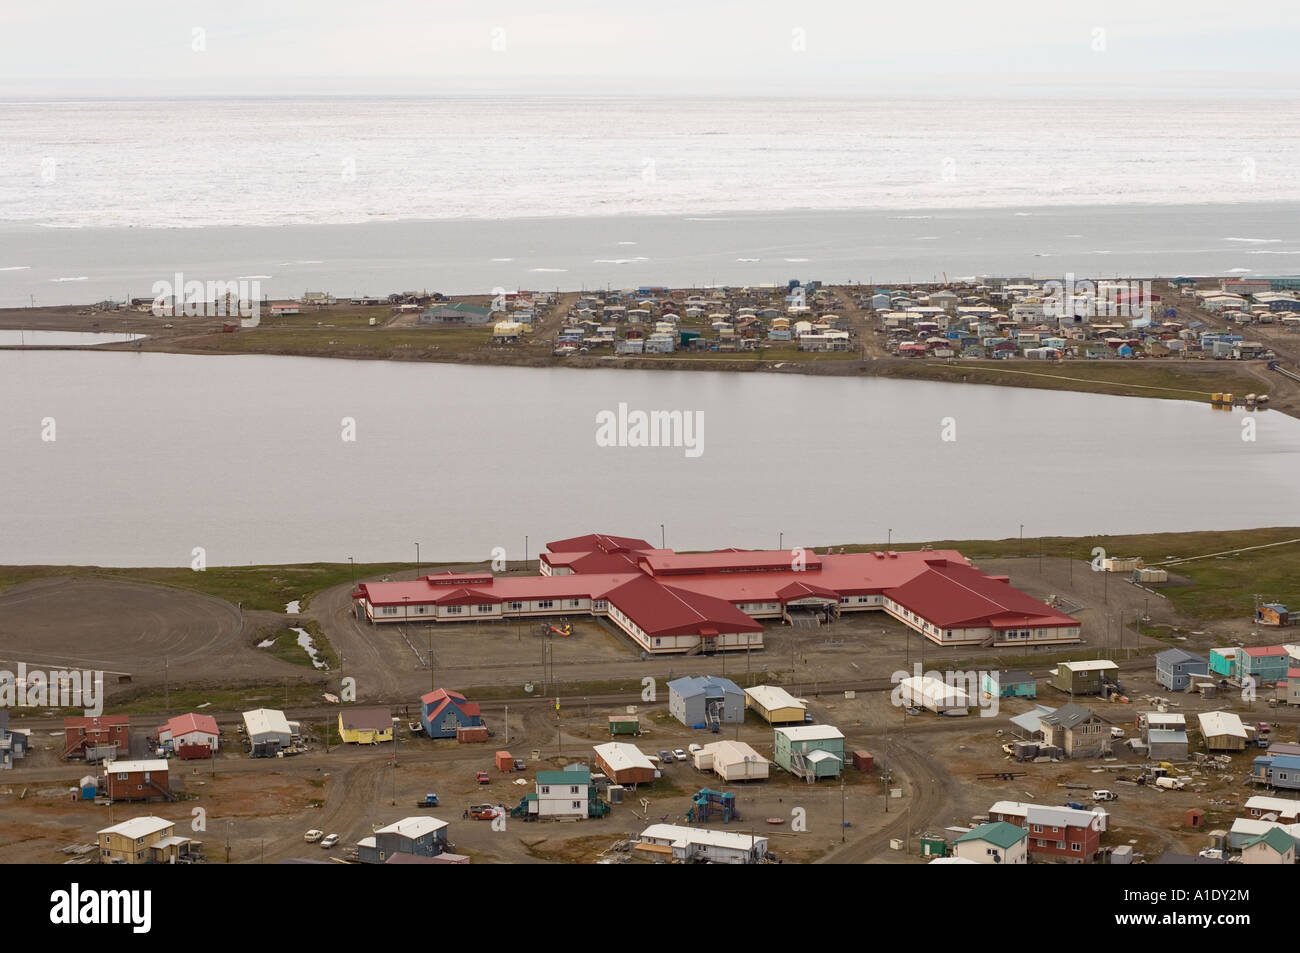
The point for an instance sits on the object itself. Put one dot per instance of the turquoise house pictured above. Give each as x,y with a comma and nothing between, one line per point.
1011,684
810,752
1223,662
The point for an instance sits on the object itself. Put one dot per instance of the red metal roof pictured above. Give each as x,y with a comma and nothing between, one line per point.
185,724
953,595
440,698
940,586
599,541
1266,651
730,560
668,610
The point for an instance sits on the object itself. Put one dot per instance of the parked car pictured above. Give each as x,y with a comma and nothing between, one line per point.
1261,742
330,841
1117,732
482,777
1105,796
679,754
521,764
694,748
666,757
313,836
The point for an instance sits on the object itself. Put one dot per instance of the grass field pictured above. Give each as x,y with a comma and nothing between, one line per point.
1223,587
286,647
1149,378
257,587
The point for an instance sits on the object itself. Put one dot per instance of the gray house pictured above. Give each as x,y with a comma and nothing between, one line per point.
1175,668
1166,744
706,700
456,314
1077,731
419,836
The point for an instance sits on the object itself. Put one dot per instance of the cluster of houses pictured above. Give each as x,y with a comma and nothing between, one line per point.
656,320
1247,301
1266,667
1020,833
999,319
511,314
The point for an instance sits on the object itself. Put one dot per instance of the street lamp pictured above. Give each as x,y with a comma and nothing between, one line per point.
780,544
1022,539
353,564
889,541
417,560
663,544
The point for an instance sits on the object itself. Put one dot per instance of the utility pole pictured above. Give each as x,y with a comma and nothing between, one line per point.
353,564
885,775
417,560
841,809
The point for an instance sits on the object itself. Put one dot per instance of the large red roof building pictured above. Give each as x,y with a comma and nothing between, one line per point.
672,602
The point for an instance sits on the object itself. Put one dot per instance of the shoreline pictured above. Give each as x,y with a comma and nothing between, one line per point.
1116,378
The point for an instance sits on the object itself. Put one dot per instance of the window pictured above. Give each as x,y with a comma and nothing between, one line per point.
486,608
1038,828
455,610
577,805
546,789
545,604
516,606
1076,847
573,789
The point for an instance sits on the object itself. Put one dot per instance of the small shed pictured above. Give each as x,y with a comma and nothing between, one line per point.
863,761
1272,613
624,725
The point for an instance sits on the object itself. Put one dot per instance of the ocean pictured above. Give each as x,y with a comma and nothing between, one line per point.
99,199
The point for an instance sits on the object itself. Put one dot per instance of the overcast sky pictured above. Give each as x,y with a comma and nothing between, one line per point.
170,47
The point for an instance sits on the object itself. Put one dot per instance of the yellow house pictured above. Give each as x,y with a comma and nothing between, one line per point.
775,705
142,840
365,726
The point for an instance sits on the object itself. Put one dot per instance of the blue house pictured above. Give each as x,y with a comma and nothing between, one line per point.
1175,668
443,711
13,744
1011,684
1278,771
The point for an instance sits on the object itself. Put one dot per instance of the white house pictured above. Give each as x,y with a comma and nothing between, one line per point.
685,844
563,793
996,843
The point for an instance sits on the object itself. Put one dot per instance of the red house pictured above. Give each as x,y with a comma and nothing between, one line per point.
137,780
92,738
1056,834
